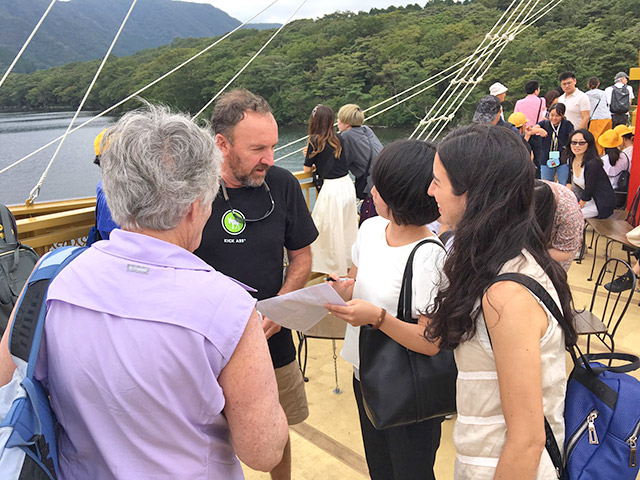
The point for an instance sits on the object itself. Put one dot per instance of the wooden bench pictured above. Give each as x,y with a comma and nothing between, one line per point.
614,231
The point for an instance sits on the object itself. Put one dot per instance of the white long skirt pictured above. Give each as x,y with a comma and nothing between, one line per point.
336,219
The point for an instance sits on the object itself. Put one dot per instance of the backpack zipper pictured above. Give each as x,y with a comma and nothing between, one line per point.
587,424
633,438
593,436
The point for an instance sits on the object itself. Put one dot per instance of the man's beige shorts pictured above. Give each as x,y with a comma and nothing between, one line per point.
293,397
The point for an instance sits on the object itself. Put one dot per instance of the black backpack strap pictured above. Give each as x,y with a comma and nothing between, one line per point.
541,293
538,290
28,324
405,299
8,223
551,444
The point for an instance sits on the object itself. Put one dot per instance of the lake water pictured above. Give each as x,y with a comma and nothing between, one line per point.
73,174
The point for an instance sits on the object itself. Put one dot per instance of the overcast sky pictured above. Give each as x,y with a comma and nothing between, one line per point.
280,11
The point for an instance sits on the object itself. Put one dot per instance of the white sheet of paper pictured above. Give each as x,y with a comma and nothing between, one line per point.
302,309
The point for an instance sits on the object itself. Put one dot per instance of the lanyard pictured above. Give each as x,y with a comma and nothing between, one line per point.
554,136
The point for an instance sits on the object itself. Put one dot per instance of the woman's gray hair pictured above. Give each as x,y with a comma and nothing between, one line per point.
155,165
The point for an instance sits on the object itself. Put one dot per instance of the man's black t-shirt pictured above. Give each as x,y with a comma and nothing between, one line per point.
252,252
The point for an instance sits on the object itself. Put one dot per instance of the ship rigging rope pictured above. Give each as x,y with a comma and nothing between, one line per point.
250,60
455,106
443,120
397,95
450,101
465,72
36,190
24,47
546,9
462,73
138,92
501,40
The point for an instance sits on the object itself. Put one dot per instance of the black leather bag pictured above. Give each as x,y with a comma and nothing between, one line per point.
316,180
399,386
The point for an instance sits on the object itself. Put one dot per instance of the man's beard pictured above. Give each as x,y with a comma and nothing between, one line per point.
247,180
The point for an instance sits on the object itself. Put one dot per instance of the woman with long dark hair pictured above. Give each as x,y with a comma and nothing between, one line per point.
334,212
401,177
594,191
510,350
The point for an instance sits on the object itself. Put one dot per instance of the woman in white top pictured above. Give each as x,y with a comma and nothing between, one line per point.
401,177
509,350
614,161
627,139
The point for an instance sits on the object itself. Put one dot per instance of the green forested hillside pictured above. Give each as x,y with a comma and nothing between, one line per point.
362,58
78,30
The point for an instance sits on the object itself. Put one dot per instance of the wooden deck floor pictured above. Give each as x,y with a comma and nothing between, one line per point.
328,444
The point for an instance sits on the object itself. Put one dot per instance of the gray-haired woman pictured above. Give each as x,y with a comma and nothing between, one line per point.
144,338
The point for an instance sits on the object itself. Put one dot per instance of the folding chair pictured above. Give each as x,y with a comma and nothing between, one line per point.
607,309
331,328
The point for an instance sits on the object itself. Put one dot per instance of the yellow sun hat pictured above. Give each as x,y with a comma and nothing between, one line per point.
97,143
623,130
517,119
610,139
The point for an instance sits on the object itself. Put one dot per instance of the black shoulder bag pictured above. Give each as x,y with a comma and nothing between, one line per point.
399,386
316,179
623,176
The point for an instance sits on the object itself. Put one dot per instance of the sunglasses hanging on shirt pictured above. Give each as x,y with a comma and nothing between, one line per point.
240,218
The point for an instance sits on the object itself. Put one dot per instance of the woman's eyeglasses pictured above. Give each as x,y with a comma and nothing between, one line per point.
238,216
578,143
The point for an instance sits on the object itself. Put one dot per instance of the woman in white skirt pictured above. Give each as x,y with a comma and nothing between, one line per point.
334,212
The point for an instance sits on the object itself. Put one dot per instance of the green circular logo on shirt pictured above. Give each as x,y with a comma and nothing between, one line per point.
233,224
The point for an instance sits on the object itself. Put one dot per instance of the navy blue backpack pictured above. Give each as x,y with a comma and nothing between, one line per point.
27,424
601,412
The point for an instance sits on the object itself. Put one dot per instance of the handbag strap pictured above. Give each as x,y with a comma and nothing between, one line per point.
595,108
405,299
628,169
539,110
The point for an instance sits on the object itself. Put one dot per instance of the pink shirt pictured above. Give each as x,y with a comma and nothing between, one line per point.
533,108
137,333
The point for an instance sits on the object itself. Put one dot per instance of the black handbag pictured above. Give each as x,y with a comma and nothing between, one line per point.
316,179
399,386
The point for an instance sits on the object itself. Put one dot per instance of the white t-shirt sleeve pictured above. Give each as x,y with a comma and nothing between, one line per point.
631,96
427,273
355,249
585,103
607,93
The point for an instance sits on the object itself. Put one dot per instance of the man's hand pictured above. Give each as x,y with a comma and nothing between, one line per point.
270,328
